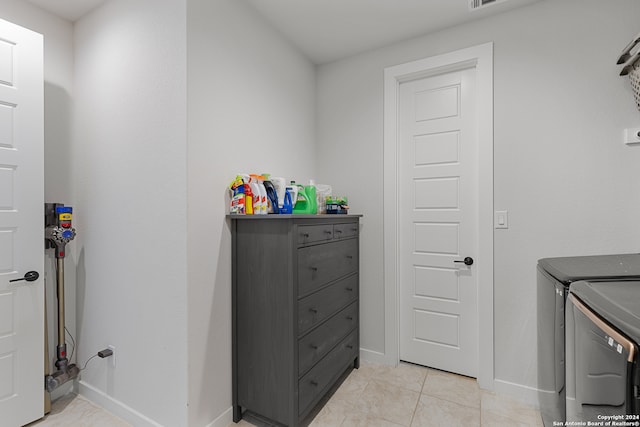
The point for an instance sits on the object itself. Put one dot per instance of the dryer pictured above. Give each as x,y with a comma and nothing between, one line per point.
603,329
554,276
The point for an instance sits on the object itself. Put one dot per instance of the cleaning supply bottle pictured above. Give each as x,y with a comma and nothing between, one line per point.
302,202
287,204
306,203
264,200
293,190
266,204
253,185
248,193
310,191
248,199
238,198
280,185
272,195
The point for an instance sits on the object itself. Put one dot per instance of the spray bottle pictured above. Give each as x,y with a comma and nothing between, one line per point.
264,200
238,197
248,198
257,195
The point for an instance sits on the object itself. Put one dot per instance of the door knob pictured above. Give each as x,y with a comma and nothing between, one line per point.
30,276
467,261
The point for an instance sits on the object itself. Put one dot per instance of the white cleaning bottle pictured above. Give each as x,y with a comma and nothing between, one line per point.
264,204
257,194
280,185
293,190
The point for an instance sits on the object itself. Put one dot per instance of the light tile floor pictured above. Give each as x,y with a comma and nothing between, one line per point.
76,411
410,395
372,396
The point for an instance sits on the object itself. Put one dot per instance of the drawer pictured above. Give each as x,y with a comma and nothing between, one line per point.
317,382
322,304
314,233
314,346
321,264
341,231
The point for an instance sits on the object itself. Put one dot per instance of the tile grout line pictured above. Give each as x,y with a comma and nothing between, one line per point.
413,415
344,418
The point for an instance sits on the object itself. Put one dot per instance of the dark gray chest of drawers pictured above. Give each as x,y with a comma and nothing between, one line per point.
295,311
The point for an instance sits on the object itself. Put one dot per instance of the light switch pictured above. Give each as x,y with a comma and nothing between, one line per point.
501,219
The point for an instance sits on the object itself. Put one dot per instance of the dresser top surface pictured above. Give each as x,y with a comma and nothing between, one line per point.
291,216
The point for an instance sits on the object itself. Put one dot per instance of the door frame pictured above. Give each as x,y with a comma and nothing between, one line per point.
481,58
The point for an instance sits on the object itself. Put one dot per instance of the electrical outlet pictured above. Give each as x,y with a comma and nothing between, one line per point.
632,136
113,356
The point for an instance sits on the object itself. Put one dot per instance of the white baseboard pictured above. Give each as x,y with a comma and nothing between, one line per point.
223,420
376,357
114,406
518,392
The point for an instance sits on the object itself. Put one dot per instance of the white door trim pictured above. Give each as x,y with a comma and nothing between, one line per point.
480,57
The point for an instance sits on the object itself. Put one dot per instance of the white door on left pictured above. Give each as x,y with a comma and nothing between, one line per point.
21,225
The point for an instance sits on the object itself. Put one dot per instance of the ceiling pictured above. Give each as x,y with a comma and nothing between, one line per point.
327,30
71,10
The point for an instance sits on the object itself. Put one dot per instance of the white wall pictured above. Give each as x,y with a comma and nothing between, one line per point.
129,159
58,90
251,109
571,187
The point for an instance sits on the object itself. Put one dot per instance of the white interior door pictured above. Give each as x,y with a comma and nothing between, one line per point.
21,225
438,226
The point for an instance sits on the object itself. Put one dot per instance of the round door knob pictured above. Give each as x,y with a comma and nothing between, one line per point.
467,261
30,276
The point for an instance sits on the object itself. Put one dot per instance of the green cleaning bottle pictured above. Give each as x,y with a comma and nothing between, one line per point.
307,202
302,205
310,190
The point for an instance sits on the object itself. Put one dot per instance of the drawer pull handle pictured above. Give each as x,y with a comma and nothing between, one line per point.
349,317
313,383
305,234
314,268
327,231
313,310
338,231
354,229
350,256
349,289
349,346
313,346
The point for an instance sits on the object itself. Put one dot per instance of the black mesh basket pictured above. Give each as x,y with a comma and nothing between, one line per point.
634,78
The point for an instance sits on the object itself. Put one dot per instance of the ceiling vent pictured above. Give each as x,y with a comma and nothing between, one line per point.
479,4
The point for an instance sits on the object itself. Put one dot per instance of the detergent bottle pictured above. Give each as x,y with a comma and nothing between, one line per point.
293,191
280,185
287,204
272,195
304,204
310,191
